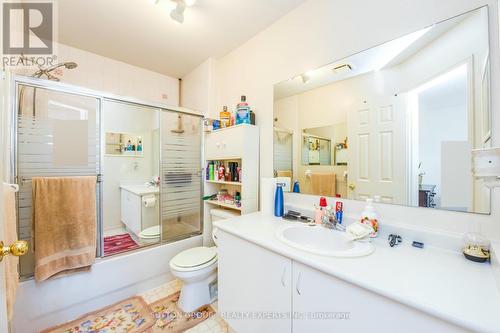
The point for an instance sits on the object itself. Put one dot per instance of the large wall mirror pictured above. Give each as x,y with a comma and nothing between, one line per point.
396,123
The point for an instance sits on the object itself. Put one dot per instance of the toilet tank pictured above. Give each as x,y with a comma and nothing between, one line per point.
222,214
217,214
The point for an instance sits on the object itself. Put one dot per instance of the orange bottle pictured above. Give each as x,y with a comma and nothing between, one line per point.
225,117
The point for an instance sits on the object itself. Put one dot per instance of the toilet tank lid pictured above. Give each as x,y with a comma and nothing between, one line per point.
223,213
194,257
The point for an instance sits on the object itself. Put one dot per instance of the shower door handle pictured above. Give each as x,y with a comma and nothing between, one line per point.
17,249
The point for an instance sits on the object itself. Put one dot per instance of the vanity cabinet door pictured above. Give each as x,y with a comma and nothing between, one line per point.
254,287
131,211
324,304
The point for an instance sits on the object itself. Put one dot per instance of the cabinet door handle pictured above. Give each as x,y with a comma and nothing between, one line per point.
283,282
297,285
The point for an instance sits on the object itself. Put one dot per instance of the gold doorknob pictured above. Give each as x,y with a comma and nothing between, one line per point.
18,248
352,186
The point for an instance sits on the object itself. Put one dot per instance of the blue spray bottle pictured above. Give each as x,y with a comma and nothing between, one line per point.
279,201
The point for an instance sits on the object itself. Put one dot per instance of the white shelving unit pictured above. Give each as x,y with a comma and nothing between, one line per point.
240,144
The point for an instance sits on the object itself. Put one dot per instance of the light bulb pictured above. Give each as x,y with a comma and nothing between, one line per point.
177,14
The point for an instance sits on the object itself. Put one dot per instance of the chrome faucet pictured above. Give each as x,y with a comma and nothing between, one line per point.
330,221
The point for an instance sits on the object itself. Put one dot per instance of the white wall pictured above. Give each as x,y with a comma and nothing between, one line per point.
320,31
436,109
104,74
198,88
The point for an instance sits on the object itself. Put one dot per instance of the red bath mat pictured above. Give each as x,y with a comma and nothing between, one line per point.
118,243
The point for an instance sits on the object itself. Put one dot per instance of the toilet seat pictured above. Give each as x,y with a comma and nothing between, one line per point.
150,233
194,259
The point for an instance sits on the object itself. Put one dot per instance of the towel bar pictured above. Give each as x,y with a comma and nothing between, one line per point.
27,180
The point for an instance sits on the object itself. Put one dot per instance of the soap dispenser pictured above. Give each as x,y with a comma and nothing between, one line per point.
369,217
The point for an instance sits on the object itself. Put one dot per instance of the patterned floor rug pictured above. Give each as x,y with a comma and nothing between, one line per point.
170,319
132,315
118,243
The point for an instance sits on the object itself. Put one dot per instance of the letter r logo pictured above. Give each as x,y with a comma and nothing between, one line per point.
27,28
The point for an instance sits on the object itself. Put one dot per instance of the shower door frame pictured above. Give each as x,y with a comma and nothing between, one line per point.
100,96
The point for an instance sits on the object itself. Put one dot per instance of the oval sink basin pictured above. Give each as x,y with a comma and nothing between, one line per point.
323,241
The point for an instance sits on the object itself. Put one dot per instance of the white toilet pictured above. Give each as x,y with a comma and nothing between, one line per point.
197,269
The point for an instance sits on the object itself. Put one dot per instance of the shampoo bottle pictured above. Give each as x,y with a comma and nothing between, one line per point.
211,171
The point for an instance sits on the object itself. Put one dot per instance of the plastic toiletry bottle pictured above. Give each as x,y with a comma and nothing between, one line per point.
323,203
279,205
318,214
296,187
339,211
237,199
225,117
221,172
207,176
216,171
320,210
369,217
243,111
211,171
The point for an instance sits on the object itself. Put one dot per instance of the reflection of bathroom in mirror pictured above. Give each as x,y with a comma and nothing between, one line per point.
131,186
395,123
124,144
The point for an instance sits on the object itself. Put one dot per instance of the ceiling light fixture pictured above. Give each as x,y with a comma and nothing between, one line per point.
177,14
176,7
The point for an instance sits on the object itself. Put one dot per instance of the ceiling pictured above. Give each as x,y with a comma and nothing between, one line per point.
379,57
143,34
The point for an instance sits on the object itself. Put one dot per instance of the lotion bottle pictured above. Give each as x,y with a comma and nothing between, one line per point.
369,217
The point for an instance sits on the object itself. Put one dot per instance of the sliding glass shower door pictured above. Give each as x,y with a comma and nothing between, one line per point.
132,147
57,135
180,174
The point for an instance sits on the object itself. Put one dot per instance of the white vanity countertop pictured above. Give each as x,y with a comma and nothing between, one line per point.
141,189
436,281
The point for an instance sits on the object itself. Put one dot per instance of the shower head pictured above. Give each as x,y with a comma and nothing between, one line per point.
70,65
48,71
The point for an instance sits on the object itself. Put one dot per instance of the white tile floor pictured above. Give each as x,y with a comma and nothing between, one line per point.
214,324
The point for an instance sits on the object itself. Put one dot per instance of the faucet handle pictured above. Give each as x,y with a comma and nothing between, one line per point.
394,240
